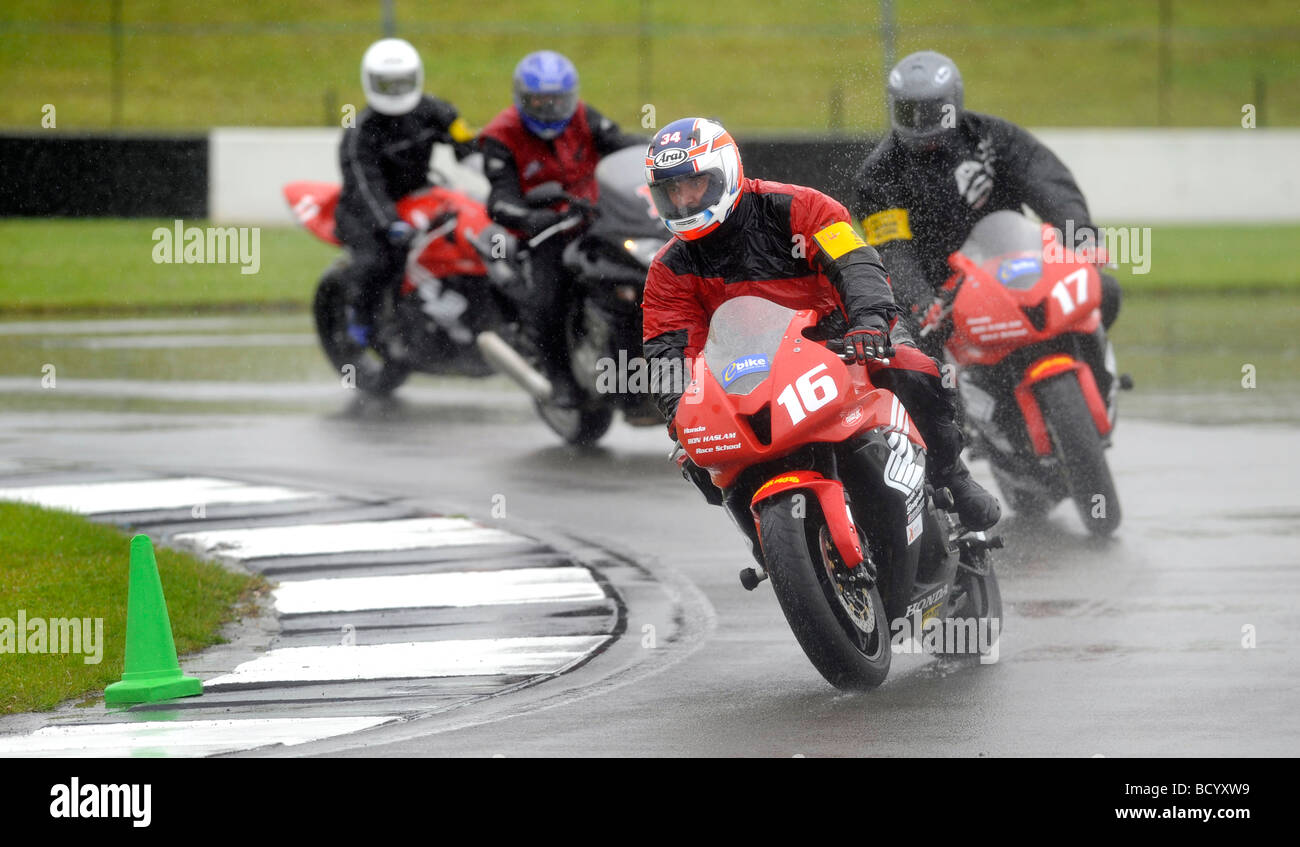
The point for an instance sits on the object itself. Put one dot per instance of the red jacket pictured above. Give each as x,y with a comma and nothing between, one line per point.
570,158
777,244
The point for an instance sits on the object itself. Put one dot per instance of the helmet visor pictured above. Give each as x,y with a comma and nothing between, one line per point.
548,106
394,85
686,195
922,117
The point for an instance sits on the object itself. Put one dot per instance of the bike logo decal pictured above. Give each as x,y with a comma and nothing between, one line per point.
901,472
742,366
928,604
1012,268
670,157
852,417
975,176
914,530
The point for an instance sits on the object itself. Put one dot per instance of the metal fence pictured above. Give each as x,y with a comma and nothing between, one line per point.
1162,65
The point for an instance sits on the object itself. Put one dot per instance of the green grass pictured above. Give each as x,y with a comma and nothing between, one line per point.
63,265
1218,258
188,64
59,565
68,264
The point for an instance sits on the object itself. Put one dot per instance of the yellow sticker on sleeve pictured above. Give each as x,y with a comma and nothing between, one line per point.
838,239
460,131
889,225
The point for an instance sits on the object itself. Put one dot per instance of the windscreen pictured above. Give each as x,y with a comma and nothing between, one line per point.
744,336
1009,246
625,207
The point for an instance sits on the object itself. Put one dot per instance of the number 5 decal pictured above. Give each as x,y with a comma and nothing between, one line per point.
813,393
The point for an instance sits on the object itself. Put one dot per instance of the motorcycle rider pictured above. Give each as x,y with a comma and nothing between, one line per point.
548,135
942,168
792,245
383,158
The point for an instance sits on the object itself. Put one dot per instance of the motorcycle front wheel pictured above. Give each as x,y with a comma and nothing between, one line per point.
1078,447
838,620
358,365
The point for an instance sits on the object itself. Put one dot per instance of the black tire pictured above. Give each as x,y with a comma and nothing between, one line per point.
372,373
1079,450
581,427
798,555
1030,504
976,596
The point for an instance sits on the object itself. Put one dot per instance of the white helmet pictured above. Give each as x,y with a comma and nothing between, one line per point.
699,153
392,76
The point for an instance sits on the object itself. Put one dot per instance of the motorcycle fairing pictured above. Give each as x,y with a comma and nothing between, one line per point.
726,432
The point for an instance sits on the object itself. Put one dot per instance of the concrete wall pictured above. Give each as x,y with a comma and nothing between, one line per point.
1190,175
248,167
1130,176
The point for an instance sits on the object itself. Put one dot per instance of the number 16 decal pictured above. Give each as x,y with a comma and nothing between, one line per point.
813,393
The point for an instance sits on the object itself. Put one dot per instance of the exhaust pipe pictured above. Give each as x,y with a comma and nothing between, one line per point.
506,360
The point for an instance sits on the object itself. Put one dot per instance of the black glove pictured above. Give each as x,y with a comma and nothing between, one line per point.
701,479
540,219
868,341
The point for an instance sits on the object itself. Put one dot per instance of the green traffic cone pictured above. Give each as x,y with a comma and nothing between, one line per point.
152,672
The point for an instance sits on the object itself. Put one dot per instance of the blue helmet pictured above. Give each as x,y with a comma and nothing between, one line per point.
546,92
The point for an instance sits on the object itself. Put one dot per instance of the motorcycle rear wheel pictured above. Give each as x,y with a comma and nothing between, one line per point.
371,372
841,626
1078,447
976,595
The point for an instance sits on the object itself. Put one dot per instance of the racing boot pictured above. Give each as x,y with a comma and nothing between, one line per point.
975,506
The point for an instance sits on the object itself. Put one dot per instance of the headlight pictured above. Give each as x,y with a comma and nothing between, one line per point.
643,249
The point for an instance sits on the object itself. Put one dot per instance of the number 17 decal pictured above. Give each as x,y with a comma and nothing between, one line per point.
807,393
1061,291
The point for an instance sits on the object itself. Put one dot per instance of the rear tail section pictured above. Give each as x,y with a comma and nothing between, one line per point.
313,205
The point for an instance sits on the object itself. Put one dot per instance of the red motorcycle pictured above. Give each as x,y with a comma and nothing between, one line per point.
446,298
859,549
1038,375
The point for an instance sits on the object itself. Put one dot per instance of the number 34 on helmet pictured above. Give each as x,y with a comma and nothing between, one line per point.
694,172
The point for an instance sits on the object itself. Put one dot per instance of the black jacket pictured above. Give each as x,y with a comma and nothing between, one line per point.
917,207
386,157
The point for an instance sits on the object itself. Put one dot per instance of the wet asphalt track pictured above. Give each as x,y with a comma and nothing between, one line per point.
1127,648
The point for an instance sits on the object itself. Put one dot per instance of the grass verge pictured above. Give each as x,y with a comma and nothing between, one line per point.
59,565
64,265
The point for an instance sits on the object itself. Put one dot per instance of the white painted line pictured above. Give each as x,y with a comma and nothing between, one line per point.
49,328
188,342
353,537
150,494
496,391
487,588
411,660
178,738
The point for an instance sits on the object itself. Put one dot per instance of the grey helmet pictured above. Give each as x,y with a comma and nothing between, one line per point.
925,98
